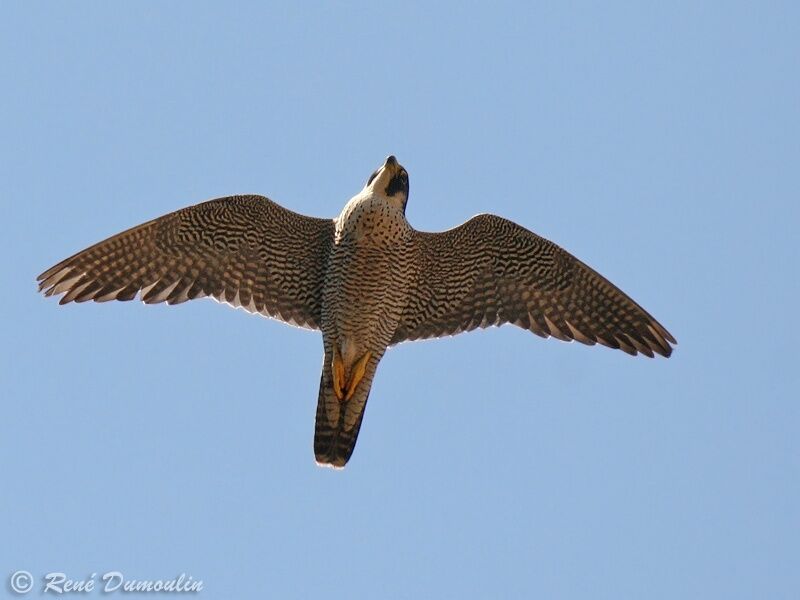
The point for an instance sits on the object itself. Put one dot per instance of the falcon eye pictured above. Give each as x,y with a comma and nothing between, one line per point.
371,177
398,183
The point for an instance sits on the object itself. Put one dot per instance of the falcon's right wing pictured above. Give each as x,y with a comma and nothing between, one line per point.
246,251
489,271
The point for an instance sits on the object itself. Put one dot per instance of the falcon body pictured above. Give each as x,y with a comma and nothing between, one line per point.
370,272
366,280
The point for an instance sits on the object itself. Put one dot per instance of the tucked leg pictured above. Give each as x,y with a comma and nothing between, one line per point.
337,371
357,374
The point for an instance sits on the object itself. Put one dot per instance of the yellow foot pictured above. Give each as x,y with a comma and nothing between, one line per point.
357,375
337,368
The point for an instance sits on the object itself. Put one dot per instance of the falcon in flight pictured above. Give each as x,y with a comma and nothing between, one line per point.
366,279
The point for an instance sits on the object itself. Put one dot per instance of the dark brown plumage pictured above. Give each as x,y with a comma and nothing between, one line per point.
243,250
366,279
490,271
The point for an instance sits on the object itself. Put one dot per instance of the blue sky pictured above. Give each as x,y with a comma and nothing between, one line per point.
657,143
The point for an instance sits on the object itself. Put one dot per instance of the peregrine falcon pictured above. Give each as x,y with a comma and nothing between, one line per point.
366,279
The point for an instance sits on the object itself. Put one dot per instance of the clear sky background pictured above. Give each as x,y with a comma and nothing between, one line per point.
660,144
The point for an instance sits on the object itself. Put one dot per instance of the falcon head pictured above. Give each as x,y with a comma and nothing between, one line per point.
390,181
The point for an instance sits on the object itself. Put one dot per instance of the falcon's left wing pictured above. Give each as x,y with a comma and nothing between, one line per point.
246,251
489,271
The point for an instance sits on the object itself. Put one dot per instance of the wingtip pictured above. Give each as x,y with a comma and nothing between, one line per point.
666,342
665,352
44,275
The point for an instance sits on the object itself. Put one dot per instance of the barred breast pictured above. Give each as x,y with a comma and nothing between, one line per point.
369,272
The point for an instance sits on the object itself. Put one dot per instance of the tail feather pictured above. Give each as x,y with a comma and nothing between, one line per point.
338,422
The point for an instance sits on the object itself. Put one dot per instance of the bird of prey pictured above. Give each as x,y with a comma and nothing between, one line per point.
366,279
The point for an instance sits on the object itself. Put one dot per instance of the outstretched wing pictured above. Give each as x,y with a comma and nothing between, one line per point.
244,250
491,271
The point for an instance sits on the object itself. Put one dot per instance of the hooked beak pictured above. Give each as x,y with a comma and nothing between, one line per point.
390,164
388,170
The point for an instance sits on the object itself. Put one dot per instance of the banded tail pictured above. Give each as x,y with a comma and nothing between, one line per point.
338,421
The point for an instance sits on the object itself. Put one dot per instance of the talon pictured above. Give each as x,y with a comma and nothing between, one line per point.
357,375
337,369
